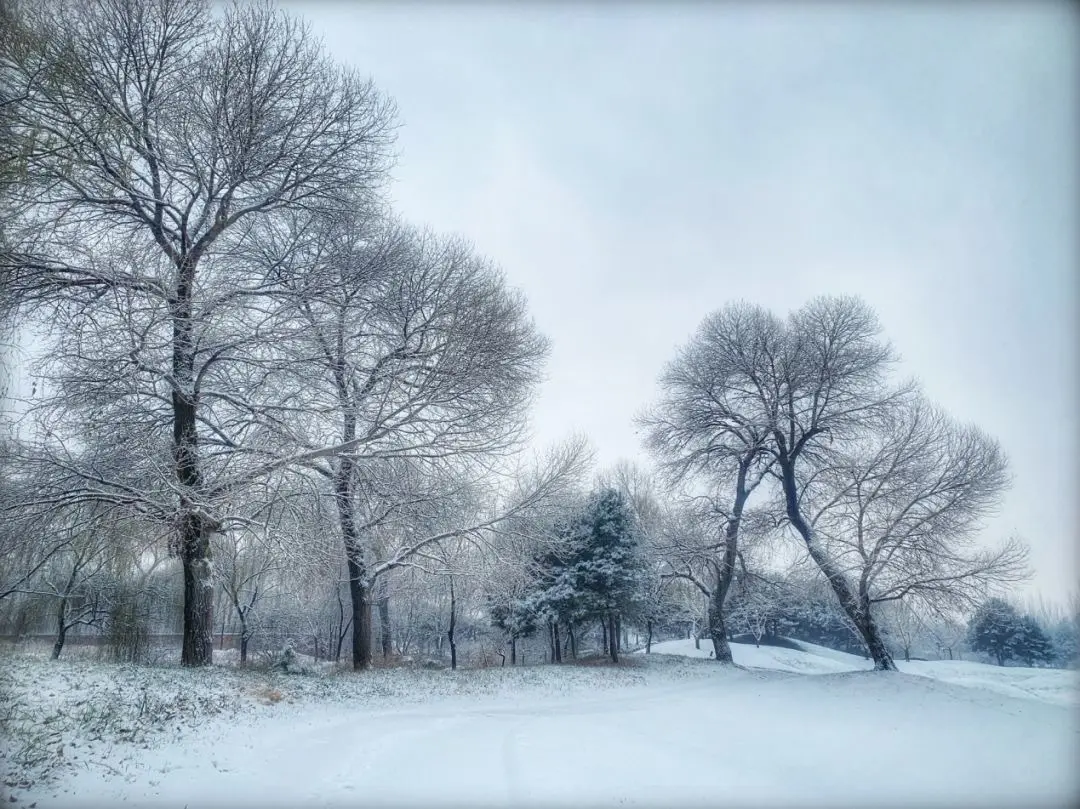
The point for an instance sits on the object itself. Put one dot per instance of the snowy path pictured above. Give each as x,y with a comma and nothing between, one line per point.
738,737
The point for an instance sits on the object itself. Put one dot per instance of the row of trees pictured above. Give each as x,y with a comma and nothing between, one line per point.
257,380
1001,630
244,346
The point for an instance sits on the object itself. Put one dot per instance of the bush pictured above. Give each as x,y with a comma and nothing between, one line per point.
127,636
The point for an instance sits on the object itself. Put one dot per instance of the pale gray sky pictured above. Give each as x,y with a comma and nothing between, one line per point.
634,166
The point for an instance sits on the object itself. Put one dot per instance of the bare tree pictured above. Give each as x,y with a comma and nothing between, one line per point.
899,508
174,130
74,579
797,392
826,380
705,427
905,625
244,571
417,361
819,377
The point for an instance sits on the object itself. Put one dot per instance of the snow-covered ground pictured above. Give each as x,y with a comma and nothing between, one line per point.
659,729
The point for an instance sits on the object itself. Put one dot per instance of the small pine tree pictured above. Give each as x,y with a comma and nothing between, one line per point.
597,572
517,618
993,629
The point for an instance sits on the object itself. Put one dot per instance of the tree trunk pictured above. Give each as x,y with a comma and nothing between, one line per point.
198,642
361,617
556,645
343,626
603,628
513,651
450,630
354,557
874,640
907,655
573,640
857,608
613,638
386,637
194,529
726,570
648,636
61,628
243,638
717,629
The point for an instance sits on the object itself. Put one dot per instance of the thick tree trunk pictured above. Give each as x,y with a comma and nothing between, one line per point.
386,637
361,618
359,589
857,608
513,651
725,571
717,629
556,644
244,635
450,630
613,638
198,644
875,641
194,531
648,637
359,586
573,640
61,628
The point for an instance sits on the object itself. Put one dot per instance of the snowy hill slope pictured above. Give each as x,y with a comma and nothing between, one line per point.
1055,686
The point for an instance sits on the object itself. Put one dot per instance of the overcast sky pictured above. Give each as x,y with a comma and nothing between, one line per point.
634,166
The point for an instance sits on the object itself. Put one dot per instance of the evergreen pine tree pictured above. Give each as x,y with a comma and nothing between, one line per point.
993,628
1030,644
597,573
